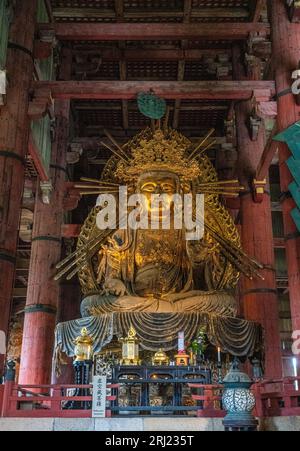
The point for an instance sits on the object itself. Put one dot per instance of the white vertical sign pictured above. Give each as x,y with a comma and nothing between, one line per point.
99,396
181,346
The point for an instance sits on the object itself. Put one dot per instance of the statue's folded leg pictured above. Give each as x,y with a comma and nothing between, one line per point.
198,301
219,303
95,302
107,303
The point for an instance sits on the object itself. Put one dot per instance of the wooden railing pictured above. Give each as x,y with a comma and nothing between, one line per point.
273,398
278,397
49,401
211,398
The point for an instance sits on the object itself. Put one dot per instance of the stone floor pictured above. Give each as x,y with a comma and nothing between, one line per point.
138,424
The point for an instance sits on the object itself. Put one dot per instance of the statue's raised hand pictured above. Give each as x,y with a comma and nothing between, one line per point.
115,286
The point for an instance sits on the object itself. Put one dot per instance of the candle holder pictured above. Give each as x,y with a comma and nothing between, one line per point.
219,366
220,374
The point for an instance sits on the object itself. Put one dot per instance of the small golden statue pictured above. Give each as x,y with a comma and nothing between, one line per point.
83,346
160,358
130,349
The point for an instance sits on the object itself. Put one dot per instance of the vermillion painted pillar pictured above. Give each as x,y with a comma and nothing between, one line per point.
258,297
43,291
14,132
68,309
286,44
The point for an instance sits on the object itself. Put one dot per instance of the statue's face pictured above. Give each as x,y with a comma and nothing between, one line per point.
158,183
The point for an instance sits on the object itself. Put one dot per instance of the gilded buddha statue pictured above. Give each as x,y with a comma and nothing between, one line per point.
160,271
156,279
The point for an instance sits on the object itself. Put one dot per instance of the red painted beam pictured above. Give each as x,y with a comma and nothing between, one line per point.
128,90
153,31
266,158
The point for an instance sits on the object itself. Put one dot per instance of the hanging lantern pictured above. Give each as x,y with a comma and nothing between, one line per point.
130,348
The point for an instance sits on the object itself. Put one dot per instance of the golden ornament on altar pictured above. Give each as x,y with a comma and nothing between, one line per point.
130,349
160,358
84,346
182,359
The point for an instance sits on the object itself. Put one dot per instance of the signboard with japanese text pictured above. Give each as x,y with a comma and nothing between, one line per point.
99,396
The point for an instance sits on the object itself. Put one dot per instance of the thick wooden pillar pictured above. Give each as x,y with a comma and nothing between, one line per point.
43,291
258,297
14,132
285,59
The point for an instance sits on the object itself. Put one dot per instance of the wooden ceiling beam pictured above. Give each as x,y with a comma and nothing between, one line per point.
116,54
187,10
128,90
257,10
98,13
180,77
123,76
119,10
153,31
133,107
49,10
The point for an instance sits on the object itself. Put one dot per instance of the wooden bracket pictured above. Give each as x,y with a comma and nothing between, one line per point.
294,10
42,50
258,187
41,104
254,125
72,197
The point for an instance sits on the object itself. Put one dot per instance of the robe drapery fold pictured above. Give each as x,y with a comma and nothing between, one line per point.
160,330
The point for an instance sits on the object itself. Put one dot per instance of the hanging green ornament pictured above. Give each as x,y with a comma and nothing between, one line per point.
151,106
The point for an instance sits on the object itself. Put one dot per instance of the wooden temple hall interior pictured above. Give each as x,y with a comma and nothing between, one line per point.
171,97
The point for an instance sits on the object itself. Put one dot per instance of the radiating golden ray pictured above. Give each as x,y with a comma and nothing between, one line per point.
79,257
222,188
115,152
101,182
214,141
247,265
221,182
96,187
221,193
114,142
87,193
201,143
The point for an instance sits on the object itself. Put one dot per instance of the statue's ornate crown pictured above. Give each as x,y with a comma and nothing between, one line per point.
153,151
